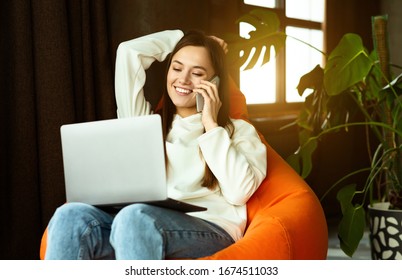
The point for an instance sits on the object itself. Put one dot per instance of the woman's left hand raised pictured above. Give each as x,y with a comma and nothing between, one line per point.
221,42
212,104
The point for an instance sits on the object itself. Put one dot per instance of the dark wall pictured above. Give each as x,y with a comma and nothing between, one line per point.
393,8
343,16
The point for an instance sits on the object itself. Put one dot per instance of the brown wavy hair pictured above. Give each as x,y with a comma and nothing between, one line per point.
218,60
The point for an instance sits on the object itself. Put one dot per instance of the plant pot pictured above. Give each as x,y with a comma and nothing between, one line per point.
385,232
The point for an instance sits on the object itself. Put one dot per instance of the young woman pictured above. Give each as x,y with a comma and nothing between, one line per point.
212,161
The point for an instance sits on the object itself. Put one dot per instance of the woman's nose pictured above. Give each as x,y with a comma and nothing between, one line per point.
184,78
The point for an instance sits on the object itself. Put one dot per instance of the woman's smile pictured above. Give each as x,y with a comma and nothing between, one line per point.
182,91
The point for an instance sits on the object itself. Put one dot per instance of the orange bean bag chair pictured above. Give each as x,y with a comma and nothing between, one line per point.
285,218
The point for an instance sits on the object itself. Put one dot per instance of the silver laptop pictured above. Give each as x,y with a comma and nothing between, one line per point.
113,163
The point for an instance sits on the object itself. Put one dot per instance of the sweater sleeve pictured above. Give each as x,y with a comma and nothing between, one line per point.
132,59
239,163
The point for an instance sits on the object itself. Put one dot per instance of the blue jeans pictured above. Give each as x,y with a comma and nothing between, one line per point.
137,232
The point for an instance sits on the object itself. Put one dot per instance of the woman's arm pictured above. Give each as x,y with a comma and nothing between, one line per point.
132,59
239,163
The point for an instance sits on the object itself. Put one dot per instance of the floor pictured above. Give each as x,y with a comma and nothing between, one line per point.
336,253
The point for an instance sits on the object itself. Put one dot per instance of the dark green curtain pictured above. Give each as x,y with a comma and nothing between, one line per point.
55,68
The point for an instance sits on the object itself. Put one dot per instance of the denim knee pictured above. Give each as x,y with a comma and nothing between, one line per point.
68,213
71,217
79,231
134,218
135,235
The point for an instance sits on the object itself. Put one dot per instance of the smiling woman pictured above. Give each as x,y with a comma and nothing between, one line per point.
189,67
193,62
203,151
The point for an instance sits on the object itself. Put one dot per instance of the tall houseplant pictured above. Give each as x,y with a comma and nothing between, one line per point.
352,72
365,80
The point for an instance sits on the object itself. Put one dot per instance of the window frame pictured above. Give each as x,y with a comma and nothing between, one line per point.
280,107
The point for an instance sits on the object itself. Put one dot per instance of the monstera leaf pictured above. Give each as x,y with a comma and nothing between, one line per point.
348,64
301,161
353,223
265,35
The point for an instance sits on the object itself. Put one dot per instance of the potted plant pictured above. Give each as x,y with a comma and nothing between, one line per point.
365,80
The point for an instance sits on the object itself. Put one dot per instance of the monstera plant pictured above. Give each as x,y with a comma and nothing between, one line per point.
266,34
352,73
353,81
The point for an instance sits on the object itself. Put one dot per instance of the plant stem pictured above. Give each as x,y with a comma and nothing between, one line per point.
311,46
343,179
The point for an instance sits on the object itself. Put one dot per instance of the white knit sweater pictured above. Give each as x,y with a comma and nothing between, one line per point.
239,163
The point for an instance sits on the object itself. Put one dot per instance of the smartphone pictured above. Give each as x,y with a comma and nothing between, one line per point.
200,98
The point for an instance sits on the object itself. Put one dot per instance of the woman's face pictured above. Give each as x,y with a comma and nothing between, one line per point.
189,66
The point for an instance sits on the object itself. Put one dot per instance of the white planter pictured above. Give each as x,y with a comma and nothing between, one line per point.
385,232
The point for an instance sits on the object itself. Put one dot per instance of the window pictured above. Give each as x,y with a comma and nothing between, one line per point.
276,81
261,3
